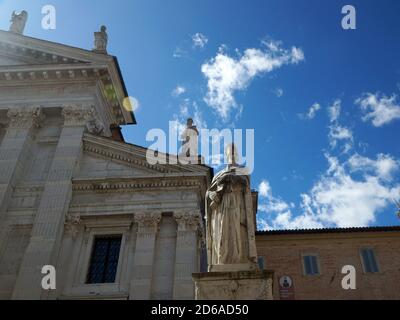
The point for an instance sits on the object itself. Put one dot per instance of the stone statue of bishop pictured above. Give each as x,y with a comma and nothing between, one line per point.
230,219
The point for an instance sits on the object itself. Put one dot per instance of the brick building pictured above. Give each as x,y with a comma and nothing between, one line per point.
313,259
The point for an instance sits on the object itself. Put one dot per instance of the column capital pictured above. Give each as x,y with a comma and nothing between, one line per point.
72,222
147,220
25,116
82,115
188,220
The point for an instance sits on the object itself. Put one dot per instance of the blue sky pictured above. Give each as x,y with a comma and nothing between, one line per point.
323,101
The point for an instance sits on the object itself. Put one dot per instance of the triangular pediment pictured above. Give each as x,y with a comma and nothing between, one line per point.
99,166
104,157
19,50
9,60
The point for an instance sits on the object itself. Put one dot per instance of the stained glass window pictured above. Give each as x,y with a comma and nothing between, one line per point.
104,259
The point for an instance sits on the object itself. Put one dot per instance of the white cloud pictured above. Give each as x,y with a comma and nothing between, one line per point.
378,108
179,53
178,91
334,110
279,213
269,203
264,189
199,40
312,111
383,167
196,41
225,75
278,92
297,55
350,193
338,133
287,221
338,199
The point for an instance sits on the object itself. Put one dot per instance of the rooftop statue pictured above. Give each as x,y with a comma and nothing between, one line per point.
190,139
18,21
101,40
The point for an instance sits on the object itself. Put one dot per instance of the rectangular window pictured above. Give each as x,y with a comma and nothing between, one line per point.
261,263
369,261
104,259
310,263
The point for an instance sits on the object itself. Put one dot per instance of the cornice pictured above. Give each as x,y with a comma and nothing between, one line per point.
47,63
137,183
27,53
62,50
29,189
65,74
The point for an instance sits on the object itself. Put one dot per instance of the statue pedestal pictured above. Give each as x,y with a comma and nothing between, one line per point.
234,285
233,267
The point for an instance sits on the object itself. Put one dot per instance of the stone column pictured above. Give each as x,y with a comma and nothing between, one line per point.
15,149
140,288
67,259
48,225
187,253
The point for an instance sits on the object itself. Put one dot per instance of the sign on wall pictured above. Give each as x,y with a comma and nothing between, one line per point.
286,288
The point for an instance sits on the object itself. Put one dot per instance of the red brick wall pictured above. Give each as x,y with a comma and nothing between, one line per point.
283,255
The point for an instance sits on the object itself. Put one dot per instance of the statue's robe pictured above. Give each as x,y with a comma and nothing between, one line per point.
229,218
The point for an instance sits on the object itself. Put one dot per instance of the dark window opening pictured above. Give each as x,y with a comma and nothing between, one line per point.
104,259
310,265
369,261
261,263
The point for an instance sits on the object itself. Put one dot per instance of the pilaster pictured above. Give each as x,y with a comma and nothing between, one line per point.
15,147
14,150
186,260
48,226
140,288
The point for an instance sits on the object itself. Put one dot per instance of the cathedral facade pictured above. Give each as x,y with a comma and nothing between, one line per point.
75,196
